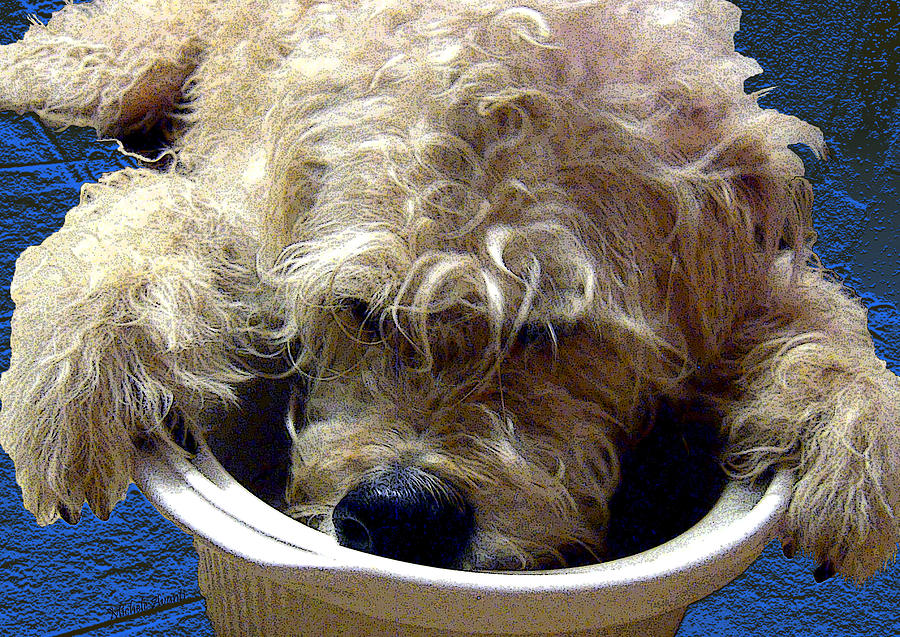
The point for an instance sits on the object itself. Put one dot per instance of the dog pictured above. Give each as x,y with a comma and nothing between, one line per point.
483,242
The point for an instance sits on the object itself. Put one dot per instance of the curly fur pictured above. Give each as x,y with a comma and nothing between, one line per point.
461,171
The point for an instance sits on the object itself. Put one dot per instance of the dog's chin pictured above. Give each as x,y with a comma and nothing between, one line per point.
564,557
569,556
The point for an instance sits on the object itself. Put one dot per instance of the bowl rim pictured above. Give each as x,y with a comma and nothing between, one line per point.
204,500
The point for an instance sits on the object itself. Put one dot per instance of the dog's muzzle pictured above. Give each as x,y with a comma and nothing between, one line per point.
405,513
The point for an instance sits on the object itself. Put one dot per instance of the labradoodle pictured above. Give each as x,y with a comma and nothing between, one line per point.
485,240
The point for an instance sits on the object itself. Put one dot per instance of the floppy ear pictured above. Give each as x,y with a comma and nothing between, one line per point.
706,171
115,65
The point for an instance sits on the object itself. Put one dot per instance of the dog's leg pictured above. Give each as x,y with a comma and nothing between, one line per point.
136,311
115,65
815,397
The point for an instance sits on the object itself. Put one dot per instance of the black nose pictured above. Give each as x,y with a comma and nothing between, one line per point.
405,513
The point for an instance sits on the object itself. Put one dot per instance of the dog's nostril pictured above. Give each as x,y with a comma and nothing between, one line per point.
405,514
353,534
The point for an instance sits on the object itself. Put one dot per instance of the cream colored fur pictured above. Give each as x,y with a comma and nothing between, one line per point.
464,169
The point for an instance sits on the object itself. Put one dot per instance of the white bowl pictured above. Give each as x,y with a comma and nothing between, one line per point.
263,573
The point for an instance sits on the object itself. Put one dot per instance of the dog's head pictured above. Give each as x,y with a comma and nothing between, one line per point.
492,246
470,453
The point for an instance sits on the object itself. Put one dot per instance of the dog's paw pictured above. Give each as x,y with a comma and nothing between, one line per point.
824,571
59,471
54,496
845,505
851,532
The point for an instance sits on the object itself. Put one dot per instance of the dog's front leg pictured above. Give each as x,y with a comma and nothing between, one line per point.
135,311
115,65
816,398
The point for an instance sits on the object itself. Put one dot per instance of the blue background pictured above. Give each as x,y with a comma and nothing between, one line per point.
835,63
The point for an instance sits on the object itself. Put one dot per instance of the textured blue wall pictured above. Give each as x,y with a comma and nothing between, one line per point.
836,65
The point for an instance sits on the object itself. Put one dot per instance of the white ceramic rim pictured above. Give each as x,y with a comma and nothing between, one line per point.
204,500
